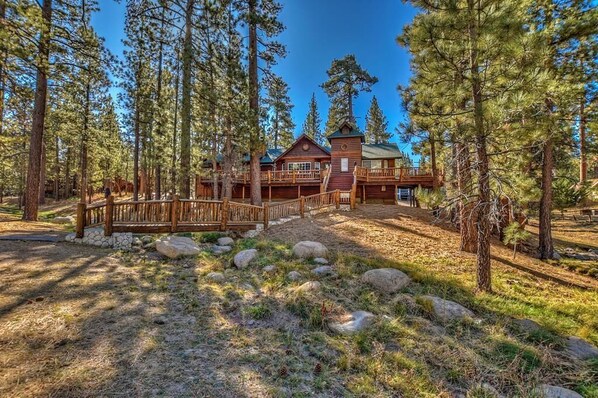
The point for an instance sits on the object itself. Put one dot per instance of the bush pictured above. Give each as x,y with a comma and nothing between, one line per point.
514,235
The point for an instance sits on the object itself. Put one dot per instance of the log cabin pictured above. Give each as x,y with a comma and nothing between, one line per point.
371,172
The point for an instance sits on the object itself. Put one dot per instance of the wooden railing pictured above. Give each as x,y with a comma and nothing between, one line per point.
279,176
187,215
398,174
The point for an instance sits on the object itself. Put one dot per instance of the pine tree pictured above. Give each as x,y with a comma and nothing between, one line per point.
376,125
346,79
280,124
311,126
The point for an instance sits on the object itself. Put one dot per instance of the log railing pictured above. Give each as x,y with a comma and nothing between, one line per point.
391,173
178,215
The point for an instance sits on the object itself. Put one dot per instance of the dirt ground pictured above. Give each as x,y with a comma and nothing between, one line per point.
405,233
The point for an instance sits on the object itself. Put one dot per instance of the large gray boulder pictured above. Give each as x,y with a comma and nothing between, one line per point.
217,249
386,280
447,310
225,241
177,246
548,391
580,349
309,249
244,257
358,321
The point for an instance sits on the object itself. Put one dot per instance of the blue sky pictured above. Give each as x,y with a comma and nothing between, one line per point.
317,31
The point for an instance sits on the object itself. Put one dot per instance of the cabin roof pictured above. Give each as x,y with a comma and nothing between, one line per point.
380,151
353,132
296,142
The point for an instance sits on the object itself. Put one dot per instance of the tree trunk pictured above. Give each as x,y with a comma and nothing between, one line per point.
256,146
42,177
2,72
185,187
483,252
546,247
467,209
84,136
39,115
57,170
173,175
433,161
227,172
136,129
583,161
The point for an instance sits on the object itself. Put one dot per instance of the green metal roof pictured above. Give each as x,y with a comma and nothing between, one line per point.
380,151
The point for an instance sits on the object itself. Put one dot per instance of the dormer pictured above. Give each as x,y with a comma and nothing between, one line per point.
346,130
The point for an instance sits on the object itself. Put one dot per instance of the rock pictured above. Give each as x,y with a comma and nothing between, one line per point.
446,310
359,320
320,260
244,257
269,268
136,242
556,255
548,391
146,239
386,280
294,276
160,321
580,349
217,277
216,249
309,249
226,241
311,286
149,246
323,270
64,220
177,246
526,325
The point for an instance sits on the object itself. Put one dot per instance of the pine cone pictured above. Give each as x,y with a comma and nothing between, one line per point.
283,372
318,368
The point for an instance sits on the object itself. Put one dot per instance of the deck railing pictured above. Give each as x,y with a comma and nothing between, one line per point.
397,174
187,215
278,176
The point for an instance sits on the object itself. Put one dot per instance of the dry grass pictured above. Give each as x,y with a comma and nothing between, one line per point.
77,321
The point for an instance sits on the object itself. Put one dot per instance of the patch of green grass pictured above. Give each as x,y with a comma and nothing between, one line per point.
210,237
258,311
509,353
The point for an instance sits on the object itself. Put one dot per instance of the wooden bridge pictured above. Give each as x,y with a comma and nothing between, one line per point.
191,215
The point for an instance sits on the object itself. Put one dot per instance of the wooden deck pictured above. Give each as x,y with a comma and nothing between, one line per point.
399,176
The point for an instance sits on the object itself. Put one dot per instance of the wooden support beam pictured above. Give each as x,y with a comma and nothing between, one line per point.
109,216
224,214
269,192
302,207
174,213
337,199
80,219
266,215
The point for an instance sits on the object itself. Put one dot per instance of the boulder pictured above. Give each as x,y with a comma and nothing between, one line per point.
64,220
580,349
526,326
386,280
309,249
311,286
269,268
323,270
294,276
216,249
244,257
217,277
447,310
556,256
359,320
548,391
320,260
226,241
177,246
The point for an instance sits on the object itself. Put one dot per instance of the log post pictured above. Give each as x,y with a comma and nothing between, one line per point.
302,206
269,177
224,215
109,217
353,197
80,219
174,213
294,176
266,215
367,175
337,199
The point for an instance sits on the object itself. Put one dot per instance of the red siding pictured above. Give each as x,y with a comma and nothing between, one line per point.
297,154
350,148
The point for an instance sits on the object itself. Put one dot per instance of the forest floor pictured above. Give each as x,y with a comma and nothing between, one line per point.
82,321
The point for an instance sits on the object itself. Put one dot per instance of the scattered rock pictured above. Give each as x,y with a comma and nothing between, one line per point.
323,270
447,310
269,268
146,239
226,241
160,321
309,249
556,255
177,246
136,242
526,325
320,260
217,277
580,349
216,249
311,286
64,220
359,320
149,246
548,391
244,257
386,280
294,276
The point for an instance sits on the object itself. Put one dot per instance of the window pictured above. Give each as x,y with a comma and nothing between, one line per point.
299,166
344,165
316,165
383,188
372,164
